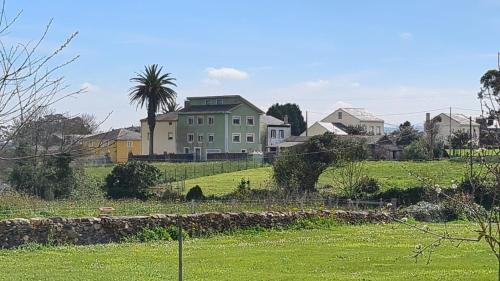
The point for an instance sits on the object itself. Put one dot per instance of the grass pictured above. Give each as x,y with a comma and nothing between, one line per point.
180,171
388,173
366,252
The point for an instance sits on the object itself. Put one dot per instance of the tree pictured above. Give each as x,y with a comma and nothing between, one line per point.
486,218
459,139
406,134
30,82
298,168
294,114
171,107
357,130
154,91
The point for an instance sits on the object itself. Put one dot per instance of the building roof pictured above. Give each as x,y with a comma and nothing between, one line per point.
330,127
223,96
116,134
209,108
272,121
170,116
361,114
460,118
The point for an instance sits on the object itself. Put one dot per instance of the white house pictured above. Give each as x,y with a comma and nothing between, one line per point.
319,128
275,131
458,122
344,117
164,135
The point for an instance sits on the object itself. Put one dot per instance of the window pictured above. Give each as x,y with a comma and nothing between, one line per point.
190,137
219,101
199,120
273,134
200,137
371,129
236,138
211,138
250,137
282,134
243,151
190,120
210,120
186,150
170,123
340,115
129,144
378,130
170,136
209,101
250,121
236,120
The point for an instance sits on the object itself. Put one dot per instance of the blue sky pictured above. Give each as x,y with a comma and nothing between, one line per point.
391,57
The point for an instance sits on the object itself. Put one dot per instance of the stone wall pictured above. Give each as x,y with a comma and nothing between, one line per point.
85,231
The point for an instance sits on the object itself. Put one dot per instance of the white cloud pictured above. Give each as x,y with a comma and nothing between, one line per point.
342,104
406,36
211,82
227,73
317,84
89,87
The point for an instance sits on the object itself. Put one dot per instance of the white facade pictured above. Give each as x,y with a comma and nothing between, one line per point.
275,131
357,117
164,135
459,122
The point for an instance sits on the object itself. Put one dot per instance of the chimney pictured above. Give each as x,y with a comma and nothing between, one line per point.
285,119
427,117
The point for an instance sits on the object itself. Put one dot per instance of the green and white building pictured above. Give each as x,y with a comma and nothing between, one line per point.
218,124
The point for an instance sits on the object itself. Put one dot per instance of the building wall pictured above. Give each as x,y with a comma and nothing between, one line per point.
243,129
161,142
349,120
443,130
222,130
124,147
315,130
272,142
217,130
95,147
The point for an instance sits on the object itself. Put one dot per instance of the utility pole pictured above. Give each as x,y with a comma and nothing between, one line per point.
307,123
449,138
470,146
179,238
498,60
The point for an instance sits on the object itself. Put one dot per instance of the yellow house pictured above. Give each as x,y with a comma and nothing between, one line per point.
114,146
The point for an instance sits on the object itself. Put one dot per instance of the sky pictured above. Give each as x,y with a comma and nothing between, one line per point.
397,59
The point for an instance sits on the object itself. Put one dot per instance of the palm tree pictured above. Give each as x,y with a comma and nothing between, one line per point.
171,107
154,90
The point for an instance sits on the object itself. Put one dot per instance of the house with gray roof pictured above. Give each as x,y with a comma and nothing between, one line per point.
344,117
458,122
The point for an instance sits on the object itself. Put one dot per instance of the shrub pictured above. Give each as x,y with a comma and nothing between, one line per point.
50,177
195,193
132,180
404,196
417,150
368,185
480,188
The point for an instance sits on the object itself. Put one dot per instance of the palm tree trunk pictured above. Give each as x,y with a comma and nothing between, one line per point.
151,137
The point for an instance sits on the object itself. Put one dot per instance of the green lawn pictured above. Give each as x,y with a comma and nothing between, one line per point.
366,252
388,173
183,170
